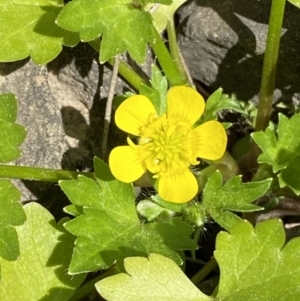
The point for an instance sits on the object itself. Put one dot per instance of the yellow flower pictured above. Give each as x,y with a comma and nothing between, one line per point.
168,144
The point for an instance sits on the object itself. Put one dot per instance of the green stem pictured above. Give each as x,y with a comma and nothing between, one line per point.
124,69
175,51
39,174
269,67
89,287
209,266
166,62
133,79
196,238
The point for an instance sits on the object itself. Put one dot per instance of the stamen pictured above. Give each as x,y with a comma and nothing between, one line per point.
130,142
167,145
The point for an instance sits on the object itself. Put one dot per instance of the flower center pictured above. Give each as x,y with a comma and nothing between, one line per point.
164,145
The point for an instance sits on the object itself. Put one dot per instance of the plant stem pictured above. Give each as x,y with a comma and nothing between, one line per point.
39,174
108,109
175,52
87,288
124,69
196,238
268,78
132,78
209,266
168,65
269,67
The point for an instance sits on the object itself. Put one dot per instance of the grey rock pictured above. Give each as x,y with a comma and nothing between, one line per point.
62,107
223,44
38,113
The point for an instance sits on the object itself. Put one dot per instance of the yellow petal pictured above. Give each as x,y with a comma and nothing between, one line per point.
178,188
134,113
184,105
125,164
208,140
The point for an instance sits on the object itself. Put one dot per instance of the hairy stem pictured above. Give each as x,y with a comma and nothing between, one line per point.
124,69
168,65
175,52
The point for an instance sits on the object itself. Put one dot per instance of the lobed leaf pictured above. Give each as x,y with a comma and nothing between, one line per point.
41,271
281,149
218,102
289,175
157,93
12,134
256,265
108,228
233,196
28,29
122,24
156,278
11,215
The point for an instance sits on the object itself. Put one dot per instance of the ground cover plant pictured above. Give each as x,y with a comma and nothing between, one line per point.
176,143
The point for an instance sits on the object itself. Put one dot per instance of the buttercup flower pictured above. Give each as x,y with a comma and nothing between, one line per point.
169,144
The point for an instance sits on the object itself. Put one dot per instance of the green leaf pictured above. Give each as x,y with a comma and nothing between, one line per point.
73,210
233,196
163,13
154,279
41,271
109,229
256,265
290,175
123,25
278,150
153,211
166,238
281,151
28,28
157,93
218,102
8,108
241,147
11,215
295,2
175,234
12,134
168,205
